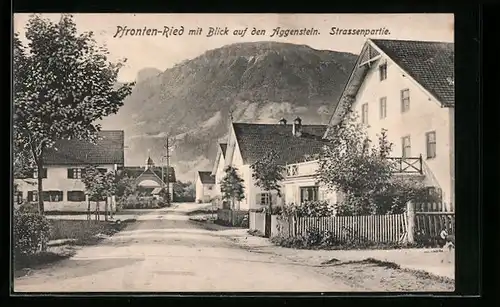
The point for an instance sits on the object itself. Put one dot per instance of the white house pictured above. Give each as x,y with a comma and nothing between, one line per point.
64,163
205,184
218,169
406,87
247,143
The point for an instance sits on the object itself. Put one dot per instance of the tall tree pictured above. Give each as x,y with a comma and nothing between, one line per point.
268,174
231,186
351,164
99,186
63,83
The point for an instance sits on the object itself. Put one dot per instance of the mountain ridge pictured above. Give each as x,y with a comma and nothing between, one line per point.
257,82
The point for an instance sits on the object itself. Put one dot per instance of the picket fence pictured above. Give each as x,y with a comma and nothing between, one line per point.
372,228
419,222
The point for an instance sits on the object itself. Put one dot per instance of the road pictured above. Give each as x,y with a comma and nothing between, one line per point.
166,252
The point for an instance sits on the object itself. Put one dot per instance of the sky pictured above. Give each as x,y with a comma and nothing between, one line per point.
163,52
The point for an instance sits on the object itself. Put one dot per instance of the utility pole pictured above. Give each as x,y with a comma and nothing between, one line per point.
167,147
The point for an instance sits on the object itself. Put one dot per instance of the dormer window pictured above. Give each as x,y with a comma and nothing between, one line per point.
383,71
450,81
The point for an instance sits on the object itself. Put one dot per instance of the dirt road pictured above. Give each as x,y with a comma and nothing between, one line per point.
164,251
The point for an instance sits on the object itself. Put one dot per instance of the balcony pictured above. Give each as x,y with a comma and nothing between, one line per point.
399,165
406,165
302,169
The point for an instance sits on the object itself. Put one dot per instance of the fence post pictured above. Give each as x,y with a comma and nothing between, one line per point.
410,213
294,222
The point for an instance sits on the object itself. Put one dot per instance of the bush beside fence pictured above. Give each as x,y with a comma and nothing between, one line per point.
230,217
420,228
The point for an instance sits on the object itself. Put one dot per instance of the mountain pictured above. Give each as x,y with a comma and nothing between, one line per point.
258,82
147,73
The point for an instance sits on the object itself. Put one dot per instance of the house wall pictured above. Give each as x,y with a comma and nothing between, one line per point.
57,179
219,174
425,115
204,192
199,189
292,190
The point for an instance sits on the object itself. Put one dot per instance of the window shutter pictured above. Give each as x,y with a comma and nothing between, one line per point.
44,173
70,174
30,196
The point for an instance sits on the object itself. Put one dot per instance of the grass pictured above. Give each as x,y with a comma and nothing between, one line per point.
301,243
77,233
83,229
203,211
393,266
21,263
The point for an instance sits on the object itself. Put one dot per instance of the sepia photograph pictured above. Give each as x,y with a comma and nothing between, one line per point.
176,153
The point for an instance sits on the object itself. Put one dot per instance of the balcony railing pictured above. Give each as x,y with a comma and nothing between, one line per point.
406,165
399,165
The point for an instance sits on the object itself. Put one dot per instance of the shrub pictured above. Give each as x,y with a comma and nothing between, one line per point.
28,207
309,209
244,222
31,233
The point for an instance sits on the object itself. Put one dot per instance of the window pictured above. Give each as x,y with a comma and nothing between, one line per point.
44,173
264,199
19,197
405,100
75,173
32,196
308,194
364,115
76,196
406,146
383,71
430,140
383,107
53,196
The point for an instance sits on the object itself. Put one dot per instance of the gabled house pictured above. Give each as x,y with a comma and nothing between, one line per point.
205,183
218,169
151,178
63,168
406,87
247,143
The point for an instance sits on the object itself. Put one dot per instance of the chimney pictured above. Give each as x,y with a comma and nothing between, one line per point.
297,127
282,121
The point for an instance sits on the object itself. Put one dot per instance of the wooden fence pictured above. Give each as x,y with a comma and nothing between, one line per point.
372,228
419,222
428,225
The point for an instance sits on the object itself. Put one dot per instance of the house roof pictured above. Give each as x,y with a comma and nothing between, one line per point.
429,63
223,147
108,149
136,171
206,177
256,140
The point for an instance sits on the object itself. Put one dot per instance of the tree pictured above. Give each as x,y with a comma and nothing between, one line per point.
351,164
63,83
231,186
184,191
268,174
125,186
98,186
